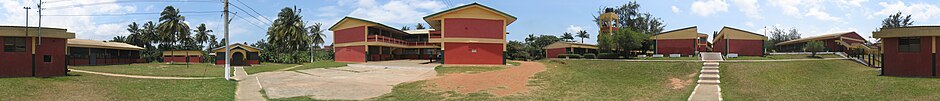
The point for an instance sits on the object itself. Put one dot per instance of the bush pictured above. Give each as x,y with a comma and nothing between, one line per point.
590,56
569,56
608,56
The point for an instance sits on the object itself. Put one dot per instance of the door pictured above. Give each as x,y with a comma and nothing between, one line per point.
238,59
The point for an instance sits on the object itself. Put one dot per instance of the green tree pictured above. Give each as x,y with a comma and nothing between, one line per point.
631,18
419,26
583,34
897,20
405,28
534,45
288,32
202,35
814,46
624,41
172,28
778,35
517,51
316,35
567,37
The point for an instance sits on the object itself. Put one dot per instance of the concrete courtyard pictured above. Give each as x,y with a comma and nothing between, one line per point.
353,82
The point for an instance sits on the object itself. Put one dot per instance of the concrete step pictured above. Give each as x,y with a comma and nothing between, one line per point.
709,82
711,64
705,71
709,77
710,68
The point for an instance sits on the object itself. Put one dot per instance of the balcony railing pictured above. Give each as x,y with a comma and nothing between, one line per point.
377,38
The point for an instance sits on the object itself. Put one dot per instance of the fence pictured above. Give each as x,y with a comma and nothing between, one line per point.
870,58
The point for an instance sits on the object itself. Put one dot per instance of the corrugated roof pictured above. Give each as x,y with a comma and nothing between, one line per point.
419,31
815,38
101,44
562,44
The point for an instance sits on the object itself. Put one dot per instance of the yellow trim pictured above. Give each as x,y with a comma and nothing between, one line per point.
467,40
728,33
345,24
854,39
183,52
569,45
473,11
380,44
442,34
244,54
246,47
907,32
504,35
933,44
691,33
46,32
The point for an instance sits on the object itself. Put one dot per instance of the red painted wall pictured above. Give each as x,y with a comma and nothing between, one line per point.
553,53
183,59
222,62
719,46
473,28
461,53
675,46
740,47
355,34
18,64
351,54
898,63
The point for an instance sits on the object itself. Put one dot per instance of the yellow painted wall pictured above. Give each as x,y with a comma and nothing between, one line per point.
691,33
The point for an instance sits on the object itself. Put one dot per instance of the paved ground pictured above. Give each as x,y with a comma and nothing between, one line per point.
353,82
707,88
140,76
248,88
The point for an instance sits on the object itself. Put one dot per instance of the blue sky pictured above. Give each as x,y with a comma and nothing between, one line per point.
551,17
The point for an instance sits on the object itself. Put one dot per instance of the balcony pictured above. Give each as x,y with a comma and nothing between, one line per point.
378,38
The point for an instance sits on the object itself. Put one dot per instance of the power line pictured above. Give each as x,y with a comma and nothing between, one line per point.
125,1
250,15
126,14
253,10
249,22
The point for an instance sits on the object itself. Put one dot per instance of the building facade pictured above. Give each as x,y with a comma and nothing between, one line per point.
685,41
910,51
242,55
834,42
183,56
736,41
26,53
552,50
457,33
83,52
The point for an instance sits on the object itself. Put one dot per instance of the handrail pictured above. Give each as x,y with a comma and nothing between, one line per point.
377,38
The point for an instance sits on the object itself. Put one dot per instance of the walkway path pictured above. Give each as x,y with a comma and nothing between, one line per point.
288,68
353,82
248,89
707,88
141,76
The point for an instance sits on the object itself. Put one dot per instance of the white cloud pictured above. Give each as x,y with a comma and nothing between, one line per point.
792,7
855,3
822,15
750,8
918,11
675,9
397,12
709,7
749,24
574,29
328,11
82,26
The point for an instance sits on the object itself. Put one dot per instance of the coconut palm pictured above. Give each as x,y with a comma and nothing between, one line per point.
316,35
583,34
287,33
172,29
202,34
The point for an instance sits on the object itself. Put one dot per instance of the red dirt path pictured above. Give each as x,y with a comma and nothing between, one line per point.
500,83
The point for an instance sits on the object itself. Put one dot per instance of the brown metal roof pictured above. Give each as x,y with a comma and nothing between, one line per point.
815,38
85,43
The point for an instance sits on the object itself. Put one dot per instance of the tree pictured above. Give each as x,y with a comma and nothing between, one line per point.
534,45
288,32
118,39
405,28
419,26
814,46
896,20
316,34
778,35
625,40
202,34
583,34
631,18
567,37
172,28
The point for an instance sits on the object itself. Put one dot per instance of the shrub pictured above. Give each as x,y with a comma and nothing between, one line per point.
569,56
590,56
608,56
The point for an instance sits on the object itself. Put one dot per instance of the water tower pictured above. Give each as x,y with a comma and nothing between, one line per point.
608,21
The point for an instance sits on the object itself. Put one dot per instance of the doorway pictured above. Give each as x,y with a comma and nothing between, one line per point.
238,59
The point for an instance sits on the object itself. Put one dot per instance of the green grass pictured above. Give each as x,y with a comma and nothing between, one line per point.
824,80
92,87
579,80
670,58
159,69
320,64
444,70
513,63
267,67
784,56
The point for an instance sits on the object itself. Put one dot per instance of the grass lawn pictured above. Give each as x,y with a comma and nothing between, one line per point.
266,67
671,58
320,64
784,56
580,80
823,80
91,87
159,69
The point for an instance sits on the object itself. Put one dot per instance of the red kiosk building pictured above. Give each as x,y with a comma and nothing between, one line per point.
910,51
736,41
685,41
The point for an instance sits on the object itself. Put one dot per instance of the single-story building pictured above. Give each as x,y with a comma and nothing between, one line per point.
909,51
703,45
834,42
92,52
27,53
736,41
685,41
185,56
242,55
471,30
552,50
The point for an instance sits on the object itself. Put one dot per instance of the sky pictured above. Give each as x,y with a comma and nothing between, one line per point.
539,17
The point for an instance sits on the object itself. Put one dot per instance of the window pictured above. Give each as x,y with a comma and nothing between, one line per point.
47,58
14,44
910,44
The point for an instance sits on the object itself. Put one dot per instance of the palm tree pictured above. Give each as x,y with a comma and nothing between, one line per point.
316,35
419,26
287,33
172,28
567,37
202,34
583,34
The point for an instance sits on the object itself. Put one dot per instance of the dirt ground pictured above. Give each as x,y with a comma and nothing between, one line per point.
500,83
677,83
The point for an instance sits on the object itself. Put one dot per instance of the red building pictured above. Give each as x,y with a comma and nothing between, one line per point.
552,50
92,52
183,56
471,30
685,41
26,53
910,51
736,41
242,55
834,42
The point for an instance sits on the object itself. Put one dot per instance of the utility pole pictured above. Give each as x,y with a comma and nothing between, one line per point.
27,34
228,51
39,7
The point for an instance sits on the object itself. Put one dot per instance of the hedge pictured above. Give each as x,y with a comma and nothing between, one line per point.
608,56
590,56
569,56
